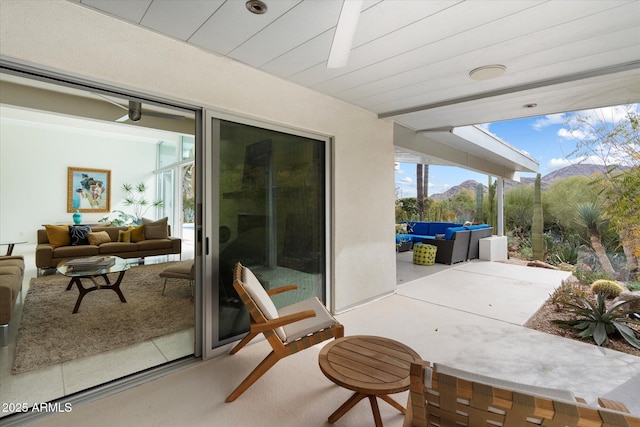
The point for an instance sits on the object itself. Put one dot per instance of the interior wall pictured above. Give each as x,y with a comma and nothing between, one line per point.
69,38
33,172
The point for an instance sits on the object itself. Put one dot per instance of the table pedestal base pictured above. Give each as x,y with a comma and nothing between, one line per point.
357,397
83,291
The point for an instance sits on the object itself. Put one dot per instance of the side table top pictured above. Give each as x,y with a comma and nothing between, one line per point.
368,364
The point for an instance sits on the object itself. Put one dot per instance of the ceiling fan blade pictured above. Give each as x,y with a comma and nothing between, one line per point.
345,30
111,101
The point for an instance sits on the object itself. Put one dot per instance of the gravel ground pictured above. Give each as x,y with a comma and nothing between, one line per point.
541,321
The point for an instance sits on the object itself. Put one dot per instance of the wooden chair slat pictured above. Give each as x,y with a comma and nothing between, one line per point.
449,401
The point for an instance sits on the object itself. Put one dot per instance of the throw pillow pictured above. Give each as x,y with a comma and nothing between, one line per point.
156,229
98,238
124,236
78,234
58,235
137,233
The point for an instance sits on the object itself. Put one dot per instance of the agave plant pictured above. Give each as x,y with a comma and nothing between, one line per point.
598,322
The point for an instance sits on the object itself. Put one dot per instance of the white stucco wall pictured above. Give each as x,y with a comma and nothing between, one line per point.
66,37
33,172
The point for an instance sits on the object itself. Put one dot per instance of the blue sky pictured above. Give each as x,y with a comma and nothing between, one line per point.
548,139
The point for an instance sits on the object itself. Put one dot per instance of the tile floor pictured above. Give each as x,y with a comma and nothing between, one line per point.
67,378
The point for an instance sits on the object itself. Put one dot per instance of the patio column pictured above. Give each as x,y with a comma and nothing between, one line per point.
500,196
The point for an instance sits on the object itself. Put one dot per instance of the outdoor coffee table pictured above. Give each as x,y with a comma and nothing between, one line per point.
370,366
120,266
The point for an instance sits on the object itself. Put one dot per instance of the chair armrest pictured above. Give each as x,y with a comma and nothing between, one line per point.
281,321
281,289
612,404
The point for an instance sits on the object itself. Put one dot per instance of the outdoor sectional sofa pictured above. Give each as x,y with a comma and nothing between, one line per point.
455,242
453,248
418,230
11,275
148,244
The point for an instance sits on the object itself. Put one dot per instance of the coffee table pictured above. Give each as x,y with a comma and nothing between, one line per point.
120,266
370,366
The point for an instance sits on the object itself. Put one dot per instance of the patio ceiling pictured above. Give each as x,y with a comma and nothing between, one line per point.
410,60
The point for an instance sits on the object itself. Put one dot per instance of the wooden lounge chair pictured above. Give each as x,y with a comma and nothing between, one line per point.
288,330
447,397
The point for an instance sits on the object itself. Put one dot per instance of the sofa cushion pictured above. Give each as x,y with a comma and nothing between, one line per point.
124,236
448,235
98,238
154,244
58,235
137,233
418,228
477,226
117,247
155,229
440,227
12,260
258,294
10,270
75,251
78,234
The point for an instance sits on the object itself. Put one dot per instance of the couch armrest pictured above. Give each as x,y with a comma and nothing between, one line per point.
44,255
7,301
176,244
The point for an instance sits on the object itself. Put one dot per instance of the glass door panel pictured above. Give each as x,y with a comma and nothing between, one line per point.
272,217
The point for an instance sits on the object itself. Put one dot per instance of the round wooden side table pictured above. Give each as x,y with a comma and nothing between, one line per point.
370,366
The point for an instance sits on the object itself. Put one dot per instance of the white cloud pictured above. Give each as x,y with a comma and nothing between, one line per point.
549,120
607,114
580,134
582,125
555,164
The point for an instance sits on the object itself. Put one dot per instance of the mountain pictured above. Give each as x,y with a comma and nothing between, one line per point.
546,180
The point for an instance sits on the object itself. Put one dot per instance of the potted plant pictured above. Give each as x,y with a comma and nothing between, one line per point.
135,197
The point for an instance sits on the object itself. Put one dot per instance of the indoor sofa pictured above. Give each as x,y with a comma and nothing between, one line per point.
11,275
146,240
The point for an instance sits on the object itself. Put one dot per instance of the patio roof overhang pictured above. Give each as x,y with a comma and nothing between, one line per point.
468,147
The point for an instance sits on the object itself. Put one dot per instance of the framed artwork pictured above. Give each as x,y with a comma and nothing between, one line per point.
88,190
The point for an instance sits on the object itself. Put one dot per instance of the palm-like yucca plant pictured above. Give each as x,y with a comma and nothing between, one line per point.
598,322
589,216
135,196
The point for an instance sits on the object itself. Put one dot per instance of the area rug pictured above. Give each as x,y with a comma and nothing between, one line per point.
50,334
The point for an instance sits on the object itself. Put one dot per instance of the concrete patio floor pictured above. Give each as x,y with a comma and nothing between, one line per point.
468,316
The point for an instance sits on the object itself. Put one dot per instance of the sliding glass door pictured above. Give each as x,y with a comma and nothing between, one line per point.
271,212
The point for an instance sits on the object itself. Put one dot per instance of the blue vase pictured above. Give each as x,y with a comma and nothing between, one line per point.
77,218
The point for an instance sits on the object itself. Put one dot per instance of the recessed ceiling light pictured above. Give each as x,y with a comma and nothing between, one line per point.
256,6
487,72
531,105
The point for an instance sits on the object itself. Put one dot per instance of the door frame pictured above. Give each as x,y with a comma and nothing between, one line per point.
209,182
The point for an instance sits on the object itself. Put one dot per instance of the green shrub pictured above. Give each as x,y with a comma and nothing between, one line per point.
608,288
598,322
566,251
586,277
633,286
567,292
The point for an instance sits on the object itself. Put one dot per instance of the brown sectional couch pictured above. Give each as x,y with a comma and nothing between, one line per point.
48,257
11,275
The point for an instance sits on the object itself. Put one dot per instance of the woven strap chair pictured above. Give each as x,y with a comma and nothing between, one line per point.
289,330
446,397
